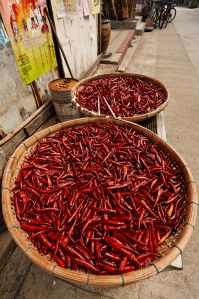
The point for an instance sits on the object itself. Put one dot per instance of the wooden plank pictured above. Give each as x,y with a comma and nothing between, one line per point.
129,54
114,59
99,36
32,127
133,10
23,124
27,128
114,9
7,246
12,143
36,94
126,41
126,24
3,134
2,162
13,274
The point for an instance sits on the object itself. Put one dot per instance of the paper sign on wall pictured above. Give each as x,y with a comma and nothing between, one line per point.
65,7
72,8
95,7
86,8
30,37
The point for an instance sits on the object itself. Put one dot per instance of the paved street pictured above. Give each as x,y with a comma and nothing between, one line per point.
170,55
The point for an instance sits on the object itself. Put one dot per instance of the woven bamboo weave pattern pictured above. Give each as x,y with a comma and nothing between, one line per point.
170,249
135,118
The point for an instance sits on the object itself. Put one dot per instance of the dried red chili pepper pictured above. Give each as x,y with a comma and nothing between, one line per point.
126,95
100,198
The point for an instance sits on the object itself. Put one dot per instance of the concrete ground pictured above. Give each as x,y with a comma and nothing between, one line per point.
172,56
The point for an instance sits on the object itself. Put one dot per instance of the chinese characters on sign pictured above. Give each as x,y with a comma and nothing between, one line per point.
30,37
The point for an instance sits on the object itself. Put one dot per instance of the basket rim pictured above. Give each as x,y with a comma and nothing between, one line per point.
134,118
80,277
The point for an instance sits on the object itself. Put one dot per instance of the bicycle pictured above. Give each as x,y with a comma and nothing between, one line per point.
156,11
167,14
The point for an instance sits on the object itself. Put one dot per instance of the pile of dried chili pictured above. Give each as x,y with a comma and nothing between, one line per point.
99,197
127,96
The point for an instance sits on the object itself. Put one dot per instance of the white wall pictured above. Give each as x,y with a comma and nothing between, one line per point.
78,37
15,96
17,102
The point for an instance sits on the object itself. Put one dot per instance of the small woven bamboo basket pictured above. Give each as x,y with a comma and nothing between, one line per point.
135,118
170,249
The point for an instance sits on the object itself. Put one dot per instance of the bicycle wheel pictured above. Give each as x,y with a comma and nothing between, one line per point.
172,14
162,19
154,17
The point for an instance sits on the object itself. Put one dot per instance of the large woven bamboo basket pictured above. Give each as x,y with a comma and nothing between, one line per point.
170,249
135,118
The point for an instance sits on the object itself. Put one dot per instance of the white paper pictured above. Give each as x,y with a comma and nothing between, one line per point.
86,8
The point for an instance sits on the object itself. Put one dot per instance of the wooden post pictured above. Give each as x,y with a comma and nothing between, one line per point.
53,29
56,46
114,10
36,94
133,9
99,19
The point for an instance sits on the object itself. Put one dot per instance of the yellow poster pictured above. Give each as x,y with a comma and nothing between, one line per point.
30,37
95,7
